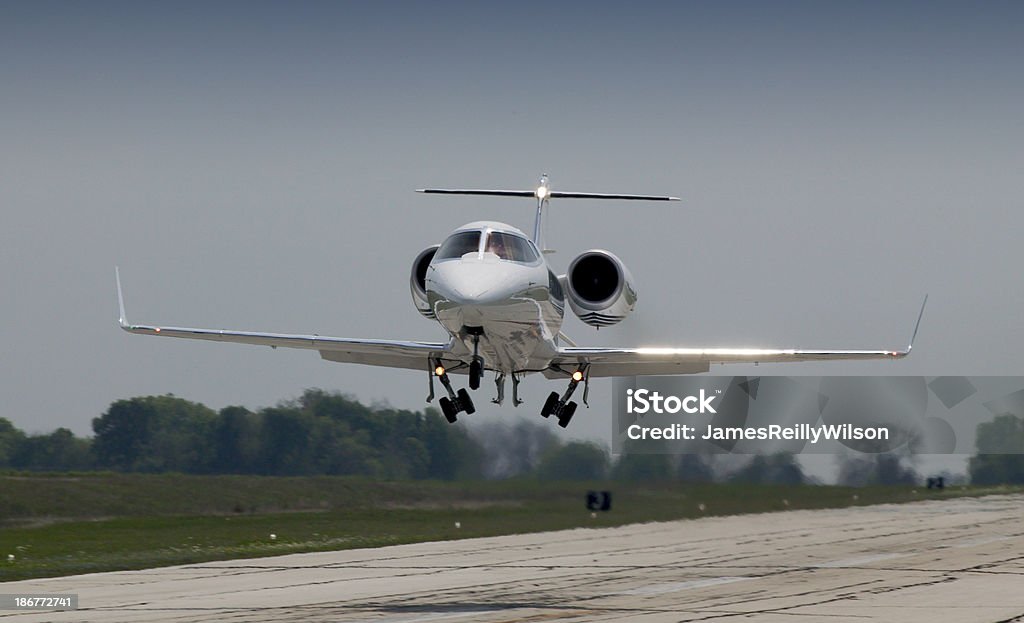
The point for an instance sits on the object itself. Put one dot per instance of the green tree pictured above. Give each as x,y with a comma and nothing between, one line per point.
453,452
319,433
236,441
694,468
780,468
577,460
884,468
1000,452
154,434
637,467
286,442
57,451
10,439
511,450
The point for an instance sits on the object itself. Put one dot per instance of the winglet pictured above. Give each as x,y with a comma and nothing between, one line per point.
122,319
918,324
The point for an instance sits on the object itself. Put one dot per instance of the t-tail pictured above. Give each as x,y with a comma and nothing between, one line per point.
543,194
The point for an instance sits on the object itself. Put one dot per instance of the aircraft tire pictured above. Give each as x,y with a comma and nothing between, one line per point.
567,413
476,372
448,409
466,402
549,404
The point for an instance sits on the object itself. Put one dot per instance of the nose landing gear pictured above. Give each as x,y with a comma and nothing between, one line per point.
560,406
476,372
476,367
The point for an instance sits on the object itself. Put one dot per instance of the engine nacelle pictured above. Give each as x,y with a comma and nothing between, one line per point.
600,288
417,280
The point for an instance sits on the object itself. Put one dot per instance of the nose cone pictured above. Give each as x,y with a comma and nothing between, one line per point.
464,292
474,281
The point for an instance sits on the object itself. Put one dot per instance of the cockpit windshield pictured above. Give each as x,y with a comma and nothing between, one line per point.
510,247
505,245
459,244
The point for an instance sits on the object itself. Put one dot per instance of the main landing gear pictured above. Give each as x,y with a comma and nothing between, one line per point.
455,402
561,407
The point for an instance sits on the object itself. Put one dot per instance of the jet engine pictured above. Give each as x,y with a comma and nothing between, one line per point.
600,288
417,280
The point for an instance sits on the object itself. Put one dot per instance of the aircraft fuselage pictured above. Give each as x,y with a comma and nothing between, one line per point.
513,303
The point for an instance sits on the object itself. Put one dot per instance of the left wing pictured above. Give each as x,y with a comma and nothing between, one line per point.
389,353
662,361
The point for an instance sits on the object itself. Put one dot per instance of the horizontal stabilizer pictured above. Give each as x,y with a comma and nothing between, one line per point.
554,194
573,195
462,191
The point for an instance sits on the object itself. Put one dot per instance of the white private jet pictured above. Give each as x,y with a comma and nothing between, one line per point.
492,290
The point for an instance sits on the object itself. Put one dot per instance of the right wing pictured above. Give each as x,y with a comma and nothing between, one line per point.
389,353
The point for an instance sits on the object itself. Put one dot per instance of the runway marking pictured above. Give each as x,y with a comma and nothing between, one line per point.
675,587
857,561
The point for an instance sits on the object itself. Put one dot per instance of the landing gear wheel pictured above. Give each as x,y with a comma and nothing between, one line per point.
448,409
550,404
476,372
566,415
466,402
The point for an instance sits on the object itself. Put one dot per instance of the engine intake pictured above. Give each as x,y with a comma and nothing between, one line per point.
601,291
418,278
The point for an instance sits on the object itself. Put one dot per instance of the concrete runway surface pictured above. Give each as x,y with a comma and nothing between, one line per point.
955,560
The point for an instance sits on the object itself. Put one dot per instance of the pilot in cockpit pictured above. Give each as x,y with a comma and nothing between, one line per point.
496,245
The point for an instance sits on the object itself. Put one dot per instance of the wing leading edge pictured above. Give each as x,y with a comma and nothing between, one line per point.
602,362
664,361
661,361
389,353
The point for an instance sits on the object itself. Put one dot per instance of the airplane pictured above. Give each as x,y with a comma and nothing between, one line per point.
491,288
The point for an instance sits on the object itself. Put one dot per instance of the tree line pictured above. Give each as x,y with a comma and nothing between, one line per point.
333,434
323,433
318,433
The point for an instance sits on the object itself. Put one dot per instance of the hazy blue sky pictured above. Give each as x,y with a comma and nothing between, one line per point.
251,166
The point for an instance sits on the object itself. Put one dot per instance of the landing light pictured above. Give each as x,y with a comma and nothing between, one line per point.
439,370
577,376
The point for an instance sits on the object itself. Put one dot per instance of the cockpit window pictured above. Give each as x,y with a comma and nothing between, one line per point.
459,244
510,247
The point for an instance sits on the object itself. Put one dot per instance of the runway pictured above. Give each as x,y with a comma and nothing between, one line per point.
954,560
